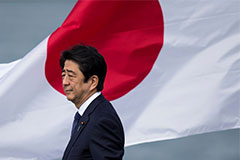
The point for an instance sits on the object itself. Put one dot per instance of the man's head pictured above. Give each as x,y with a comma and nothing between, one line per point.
83,72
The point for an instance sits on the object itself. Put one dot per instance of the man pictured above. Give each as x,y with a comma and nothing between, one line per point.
97,132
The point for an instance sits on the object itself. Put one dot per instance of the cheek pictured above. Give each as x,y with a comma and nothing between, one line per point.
76,87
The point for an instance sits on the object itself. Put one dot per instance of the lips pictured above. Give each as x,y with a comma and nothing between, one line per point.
67,90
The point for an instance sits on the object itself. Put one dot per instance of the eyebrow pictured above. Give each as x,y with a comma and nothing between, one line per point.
70,71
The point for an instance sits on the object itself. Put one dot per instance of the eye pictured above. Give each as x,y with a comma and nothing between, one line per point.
70,76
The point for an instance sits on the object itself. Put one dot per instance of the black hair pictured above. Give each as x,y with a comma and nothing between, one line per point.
90,62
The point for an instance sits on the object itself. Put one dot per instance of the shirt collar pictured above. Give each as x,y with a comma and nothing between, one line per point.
84,106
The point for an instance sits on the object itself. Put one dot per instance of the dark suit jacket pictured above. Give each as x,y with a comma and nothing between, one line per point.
100,135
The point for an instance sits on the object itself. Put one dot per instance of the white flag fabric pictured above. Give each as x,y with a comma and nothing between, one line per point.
193,86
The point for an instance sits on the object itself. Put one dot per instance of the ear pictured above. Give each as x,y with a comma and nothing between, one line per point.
93,82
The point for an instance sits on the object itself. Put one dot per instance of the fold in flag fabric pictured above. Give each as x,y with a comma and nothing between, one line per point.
173,71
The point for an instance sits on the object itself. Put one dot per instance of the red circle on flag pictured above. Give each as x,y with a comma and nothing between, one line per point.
129,34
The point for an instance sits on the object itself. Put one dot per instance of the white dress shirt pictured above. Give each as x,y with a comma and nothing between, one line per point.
84,106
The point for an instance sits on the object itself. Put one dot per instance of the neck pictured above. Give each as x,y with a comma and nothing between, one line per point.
84,99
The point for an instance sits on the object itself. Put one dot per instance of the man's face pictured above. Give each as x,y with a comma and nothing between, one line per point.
74,86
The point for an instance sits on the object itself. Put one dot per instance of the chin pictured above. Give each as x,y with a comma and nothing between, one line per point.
70,98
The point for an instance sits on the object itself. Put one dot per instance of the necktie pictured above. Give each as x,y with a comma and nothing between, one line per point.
77,118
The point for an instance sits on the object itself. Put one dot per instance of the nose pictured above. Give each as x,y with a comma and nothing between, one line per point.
65,81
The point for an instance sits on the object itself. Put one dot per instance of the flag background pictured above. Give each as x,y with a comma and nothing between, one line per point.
24,25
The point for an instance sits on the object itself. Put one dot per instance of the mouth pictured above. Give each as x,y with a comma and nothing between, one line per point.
67,91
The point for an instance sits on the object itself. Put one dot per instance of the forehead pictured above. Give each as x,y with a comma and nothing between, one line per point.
71,65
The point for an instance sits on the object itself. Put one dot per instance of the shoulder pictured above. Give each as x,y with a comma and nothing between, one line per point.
103,106
107,135
105,116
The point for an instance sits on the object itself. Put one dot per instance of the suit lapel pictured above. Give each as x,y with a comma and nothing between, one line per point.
83,122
